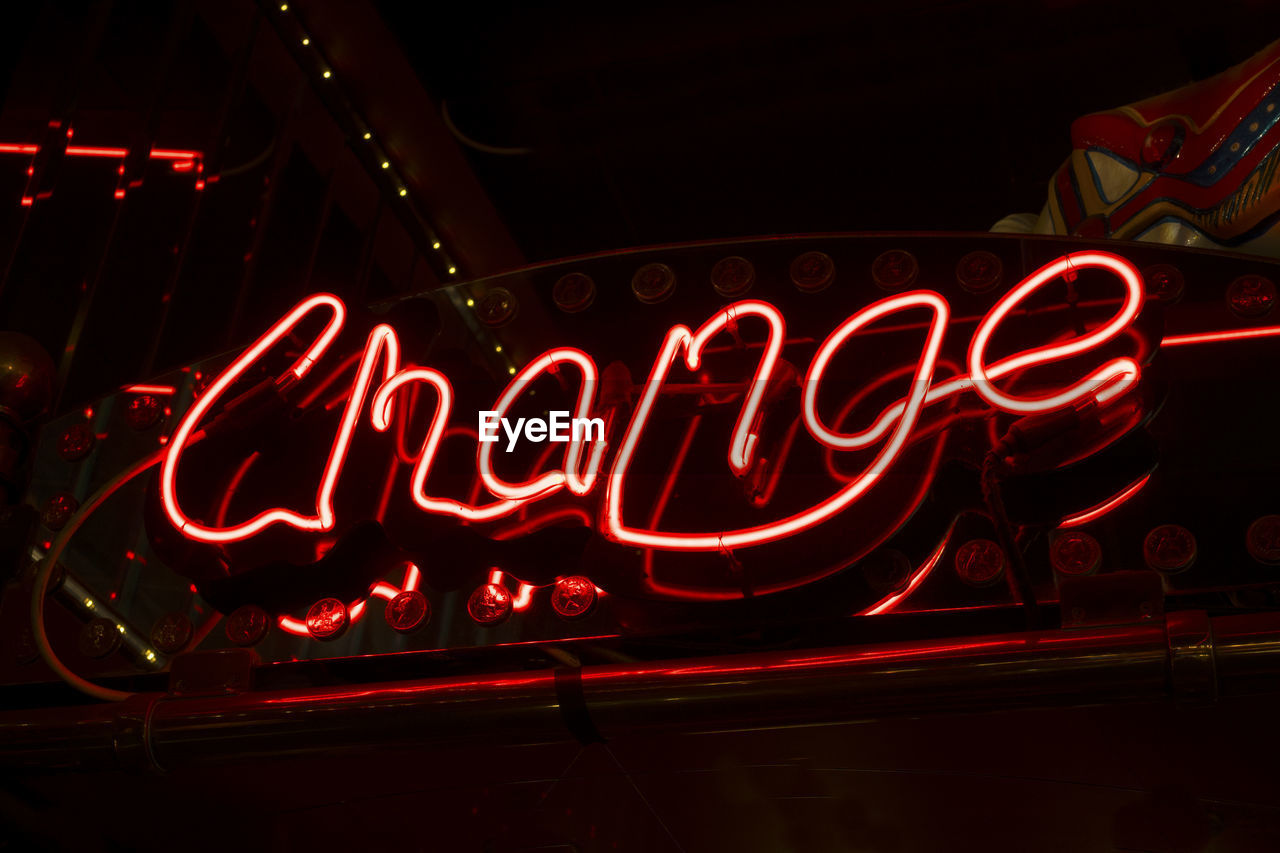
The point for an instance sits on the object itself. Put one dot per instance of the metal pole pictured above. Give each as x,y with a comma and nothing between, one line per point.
778,689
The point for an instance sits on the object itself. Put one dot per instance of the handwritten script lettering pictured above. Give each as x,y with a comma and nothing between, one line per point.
589,461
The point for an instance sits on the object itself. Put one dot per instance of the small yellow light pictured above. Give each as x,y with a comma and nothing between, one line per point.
511,370
368,135
327,74
386,164
471,303
436,244
452,270
120,628
150,655
284,7
88,602
497,349
403,191
306,42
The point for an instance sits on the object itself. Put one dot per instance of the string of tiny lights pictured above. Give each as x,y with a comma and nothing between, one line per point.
373,152
311,59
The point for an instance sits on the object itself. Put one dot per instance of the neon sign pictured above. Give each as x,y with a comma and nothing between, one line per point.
595,465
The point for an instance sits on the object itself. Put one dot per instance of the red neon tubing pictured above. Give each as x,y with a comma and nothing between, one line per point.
381,416
678,338
1096,512
1102,383
183,434
550,482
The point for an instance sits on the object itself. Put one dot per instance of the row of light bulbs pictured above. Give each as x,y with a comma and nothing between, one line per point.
367,136
327,74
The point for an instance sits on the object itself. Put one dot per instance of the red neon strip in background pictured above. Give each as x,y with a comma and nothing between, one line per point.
1104,507
183,160
175,154
664,495
1079,520
673,473
403,454
776,466
96,151
829,453
156,390
381,417
104,151
388,483
1216,337
183,435
314,393
917,578
578,482
233,486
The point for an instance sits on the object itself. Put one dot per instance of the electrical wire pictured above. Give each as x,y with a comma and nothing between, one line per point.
249,165
478,146
40,585
993,469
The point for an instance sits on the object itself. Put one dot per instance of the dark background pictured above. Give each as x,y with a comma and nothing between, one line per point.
652,123
668,122
521,133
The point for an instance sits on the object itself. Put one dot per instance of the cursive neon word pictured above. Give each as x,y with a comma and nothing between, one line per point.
584,455
554,428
